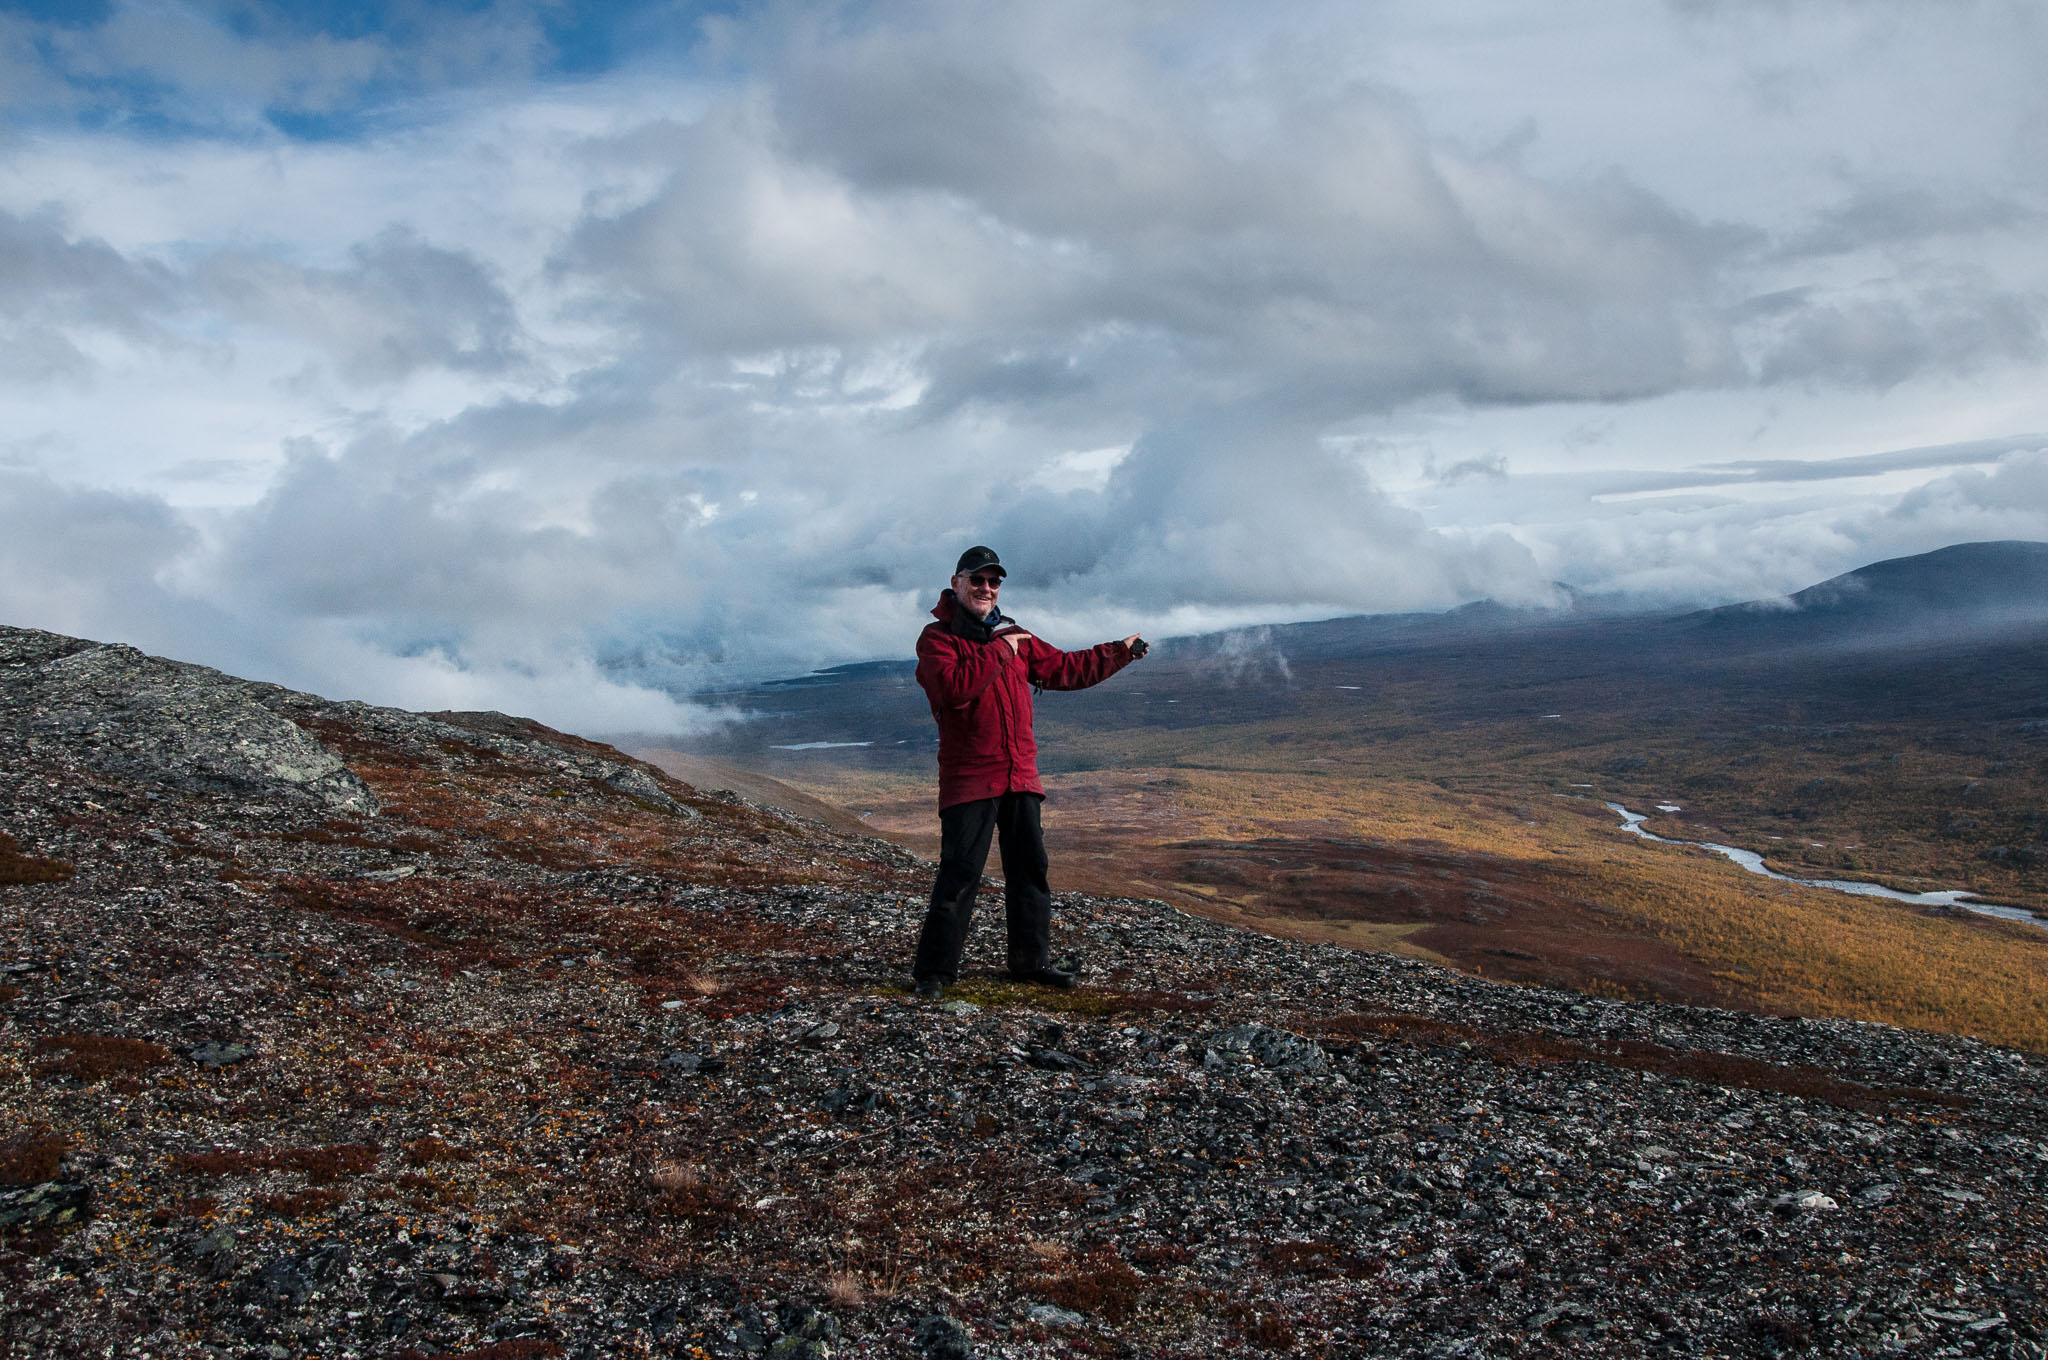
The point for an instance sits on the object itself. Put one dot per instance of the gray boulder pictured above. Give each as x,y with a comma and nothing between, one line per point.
1273,1048
118,710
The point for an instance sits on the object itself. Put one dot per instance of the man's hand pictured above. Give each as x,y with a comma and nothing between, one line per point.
1016,639
1137,646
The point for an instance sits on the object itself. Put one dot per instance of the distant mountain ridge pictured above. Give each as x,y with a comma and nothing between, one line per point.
1946,603
1955,594
2008,576
1962,593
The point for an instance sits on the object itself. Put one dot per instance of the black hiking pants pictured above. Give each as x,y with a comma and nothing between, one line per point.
964,831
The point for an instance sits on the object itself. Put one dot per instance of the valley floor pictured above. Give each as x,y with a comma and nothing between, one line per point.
1522,885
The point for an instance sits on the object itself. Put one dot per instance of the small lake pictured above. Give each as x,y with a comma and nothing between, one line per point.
1632,822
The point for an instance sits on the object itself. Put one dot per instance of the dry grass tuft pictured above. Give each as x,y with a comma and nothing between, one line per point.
32,1157
678,1191
1099,1283
16,867
95,1057
305,1204
430,1150
320,1165
670,1178
1713,1069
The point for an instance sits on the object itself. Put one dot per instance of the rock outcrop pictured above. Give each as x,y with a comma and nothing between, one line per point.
124,713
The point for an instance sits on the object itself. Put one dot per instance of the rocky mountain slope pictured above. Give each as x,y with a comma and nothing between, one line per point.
330,1030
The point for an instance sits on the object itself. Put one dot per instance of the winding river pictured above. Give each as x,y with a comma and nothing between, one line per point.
1632,822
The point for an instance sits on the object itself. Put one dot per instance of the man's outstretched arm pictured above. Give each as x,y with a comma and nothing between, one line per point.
1054,669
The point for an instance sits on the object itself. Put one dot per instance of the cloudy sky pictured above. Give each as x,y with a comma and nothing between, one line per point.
562,357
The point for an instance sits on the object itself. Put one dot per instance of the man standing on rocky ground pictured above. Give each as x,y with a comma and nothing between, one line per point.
978,669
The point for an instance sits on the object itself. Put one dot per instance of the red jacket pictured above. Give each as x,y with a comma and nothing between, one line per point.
980,693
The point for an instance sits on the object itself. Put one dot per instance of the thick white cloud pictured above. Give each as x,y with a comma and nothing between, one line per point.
74,560
560,395
2005,501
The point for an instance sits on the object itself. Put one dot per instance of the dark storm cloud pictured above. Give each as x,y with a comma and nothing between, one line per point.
399,305
1907,214
936,181
1953,325
992,374
1327,248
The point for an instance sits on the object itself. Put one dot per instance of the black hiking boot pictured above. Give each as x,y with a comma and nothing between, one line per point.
1064,973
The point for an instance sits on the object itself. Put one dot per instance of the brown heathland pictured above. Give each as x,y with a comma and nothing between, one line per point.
1540,888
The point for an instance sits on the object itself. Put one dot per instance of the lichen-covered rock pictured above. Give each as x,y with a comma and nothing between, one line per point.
119,710
52,1204
637,783
1274,1048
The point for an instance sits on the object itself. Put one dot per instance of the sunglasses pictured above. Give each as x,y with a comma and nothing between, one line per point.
986,582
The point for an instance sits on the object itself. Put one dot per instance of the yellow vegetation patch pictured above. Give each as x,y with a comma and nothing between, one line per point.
1771,946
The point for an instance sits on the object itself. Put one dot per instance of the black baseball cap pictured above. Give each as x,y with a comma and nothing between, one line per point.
980,559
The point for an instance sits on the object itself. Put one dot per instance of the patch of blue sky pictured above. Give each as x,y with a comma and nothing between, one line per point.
398,23
324,125
593,37
62,13
581,39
